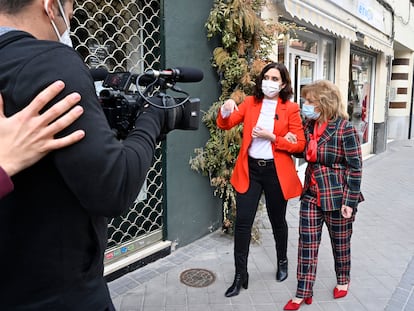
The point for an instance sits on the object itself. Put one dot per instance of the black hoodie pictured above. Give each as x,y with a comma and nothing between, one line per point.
53,226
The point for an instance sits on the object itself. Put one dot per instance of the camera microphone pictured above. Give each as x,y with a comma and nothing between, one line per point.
178,74
98,74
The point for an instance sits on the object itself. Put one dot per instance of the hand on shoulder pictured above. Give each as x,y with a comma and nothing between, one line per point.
27,136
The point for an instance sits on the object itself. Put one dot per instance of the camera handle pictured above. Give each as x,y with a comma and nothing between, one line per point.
165,98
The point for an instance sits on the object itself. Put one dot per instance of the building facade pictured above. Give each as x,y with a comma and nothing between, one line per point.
350,43
365,47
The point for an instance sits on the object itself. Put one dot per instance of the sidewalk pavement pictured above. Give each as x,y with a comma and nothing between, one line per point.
382,257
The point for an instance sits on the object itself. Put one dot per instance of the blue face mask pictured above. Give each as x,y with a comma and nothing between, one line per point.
309,112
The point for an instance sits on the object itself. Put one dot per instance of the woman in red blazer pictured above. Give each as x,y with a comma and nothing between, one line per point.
264,164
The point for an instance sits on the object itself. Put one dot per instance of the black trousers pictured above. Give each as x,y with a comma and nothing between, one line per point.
263,178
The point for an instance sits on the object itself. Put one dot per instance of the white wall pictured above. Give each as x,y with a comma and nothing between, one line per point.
403,22
398,119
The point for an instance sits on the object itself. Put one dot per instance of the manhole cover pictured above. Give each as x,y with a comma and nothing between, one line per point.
197,277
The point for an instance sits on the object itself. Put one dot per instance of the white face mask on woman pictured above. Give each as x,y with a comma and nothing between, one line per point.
65,37
270,88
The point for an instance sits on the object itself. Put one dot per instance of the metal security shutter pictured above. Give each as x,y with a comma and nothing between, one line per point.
125,36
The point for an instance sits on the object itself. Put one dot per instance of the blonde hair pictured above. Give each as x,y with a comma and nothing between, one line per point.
329,98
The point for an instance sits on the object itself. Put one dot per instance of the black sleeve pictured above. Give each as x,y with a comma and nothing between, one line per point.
104,174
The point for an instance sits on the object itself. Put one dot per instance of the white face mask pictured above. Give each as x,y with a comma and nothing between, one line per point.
270,88
65,37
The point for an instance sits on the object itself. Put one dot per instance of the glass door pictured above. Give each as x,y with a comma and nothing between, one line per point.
305,69
303,72
308,56
360,93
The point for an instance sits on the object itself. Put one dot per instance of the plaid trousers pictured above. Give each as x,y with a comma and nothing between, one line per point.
311,220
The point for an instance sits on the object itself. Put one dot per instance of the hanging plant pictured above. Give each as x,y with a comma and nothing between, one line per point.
246,42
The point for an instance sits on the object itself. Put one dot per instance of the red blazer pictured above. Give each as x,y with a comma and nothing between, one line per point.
288,120
6,185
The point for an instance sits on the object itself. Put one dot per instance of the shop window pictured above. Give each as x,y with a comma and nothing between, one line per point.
304,43
309,56
327,53
359,92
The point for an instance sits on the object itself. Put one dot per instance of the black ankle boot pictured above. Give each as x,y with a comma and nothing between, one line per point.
240,280
282,270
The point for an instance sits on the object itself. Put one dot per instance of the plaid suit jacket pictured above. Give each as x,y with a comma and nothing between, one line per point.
338,168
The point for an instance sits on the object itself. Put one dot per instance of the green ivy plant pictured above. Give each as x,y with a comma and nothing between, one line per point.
246,42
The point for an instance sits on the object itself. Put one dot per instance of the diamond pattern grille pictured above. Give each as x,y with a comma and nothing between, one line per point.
125,36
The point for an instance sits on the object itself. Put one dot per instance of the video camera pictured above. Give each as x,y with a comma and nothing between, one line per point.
122,104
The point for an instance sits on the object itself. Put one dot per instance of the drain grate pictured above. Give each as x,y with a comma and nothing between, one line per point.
197,277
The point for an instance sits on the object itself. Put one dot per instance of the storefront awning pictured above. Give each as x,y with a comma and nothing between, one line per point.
316,17
379,45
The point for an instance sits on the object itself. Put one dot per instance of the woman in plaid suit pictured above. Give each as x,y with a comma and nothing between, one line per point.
331,190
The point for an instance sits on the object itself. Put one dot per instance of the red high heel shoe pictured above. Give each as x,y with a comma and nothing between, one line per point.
340,293
295,306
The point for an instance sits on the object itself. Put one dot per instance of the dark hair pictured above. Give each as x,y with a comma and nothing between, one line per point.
15,6
285,93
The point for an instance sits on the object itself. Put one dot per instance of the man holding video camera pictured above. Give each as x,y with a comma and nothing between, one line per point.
53,226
